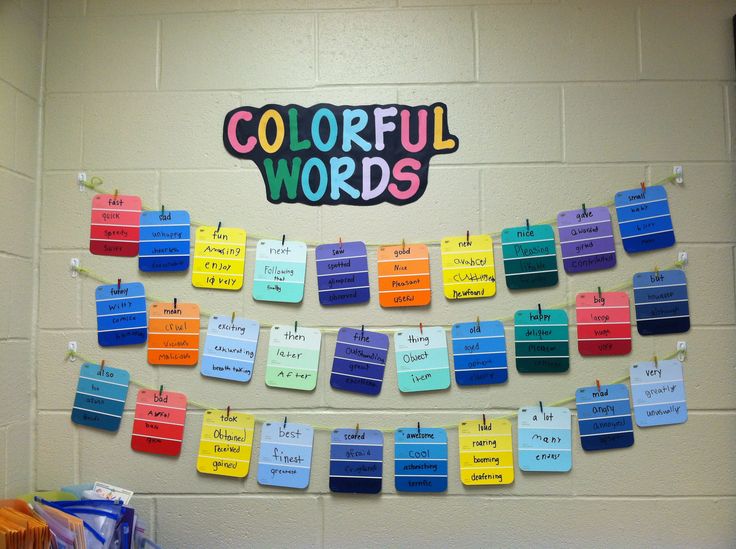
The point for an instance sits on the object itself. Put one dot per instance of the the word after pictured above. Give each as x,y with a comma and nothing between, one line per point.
420,459
422,362
115,225
604,417
529,257
360,361
100,398
467,267
342,273
479,353
644,219
542,340
219,258
661,302
226,443
165,240
545,439
230,348
293,357
356,461
286,455
158,427
403,276
586,240
173,334
658,392
121,314
604,323
280,271
486,452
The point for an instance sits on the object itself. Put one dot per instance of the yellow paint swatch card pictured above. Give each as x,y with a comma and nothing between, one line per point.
486,453
226,443
467,266
219,258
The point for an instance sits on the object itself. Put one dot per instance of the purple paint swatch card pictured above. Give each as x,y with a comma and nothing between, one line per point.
342,273
586,239
360,360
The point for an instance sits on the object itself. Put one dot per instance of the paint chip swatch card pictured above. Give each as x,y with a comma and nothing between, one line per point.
158,427
479,353
115,226
356,461
422,363
420,463
280,271
100,398
342,273
604,417
529,257
165,240
293,357
173,334
658,392
226,443
604,323
121,314
644,219
230,348
403,276
586,240
545,439
286,455
542,340
486,452
467,267
661,302
360,361
219,258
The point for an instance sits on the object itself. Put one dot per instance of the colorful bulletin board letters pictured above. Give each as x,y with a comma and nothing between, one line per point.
356,461
286,455
230,348
542,340
420,459
644,219
545,439
422,363
604,323
342,273
226,443
293,358
479,353
158,427
173,334
403,276
467,267
658,392
219,258
604,417
115,227
281,267
165,239
360,361
661,302
486,452
529,257
100,398
586,240
121,314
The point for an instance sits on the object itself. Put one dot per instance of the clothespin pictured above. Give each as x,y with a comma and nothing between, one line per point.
656,271
600,294
102,367
284,422
585,212
118,283
175,304
219,224
656,361
598,384
228,411
115,195
362,329
421,328
162,209
527,224
340,240
357,427
161,390
643,186
484,420
232,320
283,239
418,431
467,236
477,321
541,408
539,307
296,325
403,244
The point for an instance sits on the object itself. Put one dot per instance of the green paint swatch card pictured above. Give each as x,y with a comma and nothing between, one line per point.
422,362
529,257
293,358
280,270
542,340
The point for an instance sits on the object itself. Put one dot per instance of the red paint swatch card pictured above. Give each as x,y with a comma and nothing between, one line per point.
158,427
604,323
115,227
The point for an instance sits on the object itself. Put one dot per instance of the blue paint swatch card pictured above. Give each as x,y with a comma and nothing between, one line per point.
644,219
545,439
280,271
658,392
342,273
230,348
285,458
422,363
420,459
479,353
165,240
604,417
356,461
360,361
121,314
100,398
661,302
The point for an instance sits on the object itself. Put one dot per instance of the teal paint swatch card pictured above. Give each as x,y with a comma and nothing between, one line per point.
280,271
545,439
529,257
542,340
100,398
356,461
165,241
121,314
604,417
658,392
422,362
293,357
661,302
285,457
479,353
420,459
230,348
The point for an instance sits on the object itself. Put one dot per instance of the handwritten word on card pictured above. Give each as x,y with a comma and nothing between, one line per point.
422,363
479,352
360,361
342,273
100,398
604,417
545,439
658,392
226,443
165,240
356,461
121,314
230,348
158,427
286,455
604,323
661,302
586,240
403,276
293,358
280,271
173,334
219,258
644,219
529,257
542,340
467,267
115,226
486,452
420,459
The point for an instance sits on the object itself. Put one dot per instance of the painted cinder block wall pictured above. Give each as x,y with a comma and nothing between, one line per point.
555,104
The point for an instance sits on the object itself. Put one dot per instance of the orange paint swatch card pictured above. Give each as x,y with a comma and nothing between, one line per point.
173,334
158,427
115,225
403,276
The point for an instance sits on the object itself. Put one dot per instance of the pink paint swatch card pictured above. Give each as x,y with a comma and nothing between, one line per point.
115,227
604,323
